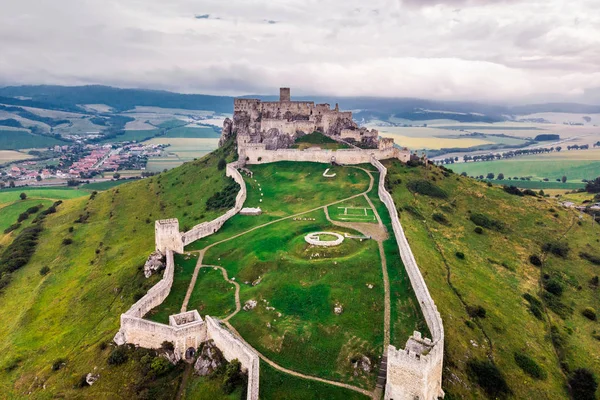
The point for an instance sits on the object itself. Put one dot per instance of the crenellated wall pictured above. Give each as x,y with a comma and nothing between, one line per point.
252,154
167,236
208,228
232,347
410,374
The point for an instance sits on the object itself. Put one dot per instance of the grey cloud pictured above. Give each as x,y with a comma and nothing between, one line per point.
490,50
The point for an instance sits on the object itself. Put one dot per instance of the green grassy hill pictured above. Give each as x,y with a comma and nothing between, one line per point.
496,305
72,313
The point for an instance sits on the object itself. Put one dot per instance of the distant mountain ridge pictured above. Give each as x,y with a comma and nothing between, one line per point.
69,98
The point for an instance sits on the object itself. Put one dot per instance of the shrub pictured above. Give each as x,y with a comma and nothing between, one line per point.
476,311
488,377
233,376
441,218
553,302
160,366
529,366
58,364
167,346
18,253
559,249
460,255
553,286
424,187
595,281
413,211
590,257
22,217
589,313
222,164
583,384
529,192
225,198
535,306
12,228
118,356
478,230
82,382
23,196
487,222
535,260
513,190
67,241
44,270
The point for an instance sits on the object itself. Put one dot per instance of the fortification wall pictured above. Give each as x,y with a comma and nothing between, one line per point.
232,347
157,293
167,236
136,330
351,134
208,228
288,127
410,374
342,156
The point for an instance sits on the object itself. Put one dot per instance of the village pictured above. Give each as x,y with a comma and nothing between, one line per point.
60,164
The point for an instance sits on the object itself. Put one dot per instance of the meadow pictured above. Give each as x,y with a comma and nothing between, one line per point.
72,312
478,280
299,287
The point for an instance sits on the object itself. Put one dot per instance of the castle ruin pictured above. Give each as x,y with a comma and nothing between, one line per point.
264,131
277,124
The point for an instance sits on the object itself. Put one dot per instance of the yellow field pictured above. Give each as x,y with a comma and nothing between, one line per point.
432,143
10,155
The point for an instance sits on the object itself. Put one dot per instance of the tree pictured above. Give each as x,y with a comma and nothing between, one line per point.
583,384
23,196
116,175
558,148
38,178
222,164
11,184
564,178
500,176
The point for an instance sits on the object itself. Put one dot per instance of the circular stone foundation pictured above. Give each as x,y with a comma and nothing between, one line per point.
313,238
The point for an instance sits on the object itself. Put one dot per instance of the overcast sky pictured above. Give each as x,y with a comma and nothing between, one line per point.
491,50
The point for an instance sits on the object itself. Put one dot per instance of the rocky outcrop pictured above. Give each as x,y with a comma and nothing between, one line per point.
226,132
155,263
274,139
209,359
335,128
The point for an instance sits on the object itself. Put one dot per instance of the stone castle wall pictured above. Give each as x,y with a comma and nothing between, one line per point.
232,347
288,127
166,235
208,228
252,154
410,374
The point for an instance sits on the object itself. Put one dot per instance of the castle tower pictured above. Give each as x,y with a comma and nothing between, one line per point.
284,94
167,235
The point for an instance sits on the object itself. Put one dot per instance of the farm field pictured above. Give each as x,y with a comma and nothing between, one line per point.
9,195
10,155
15,140
180,150
554,166
430,142
192,132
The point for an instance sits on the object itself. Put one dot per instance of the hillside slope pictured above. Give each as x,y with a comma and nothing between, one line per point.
68,316
478,281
